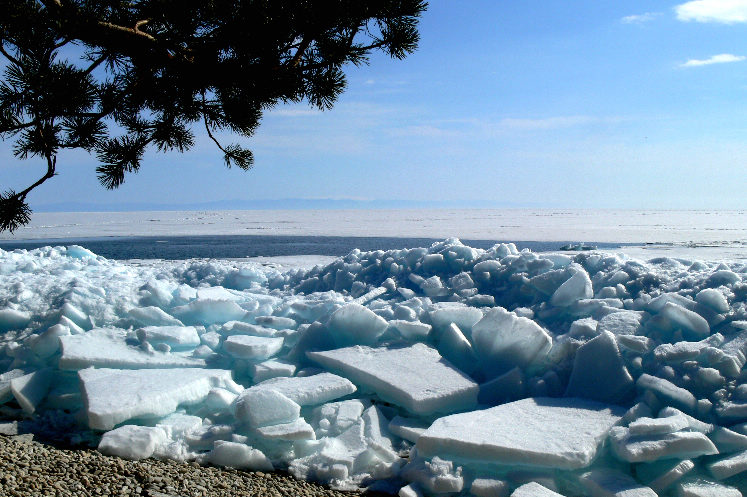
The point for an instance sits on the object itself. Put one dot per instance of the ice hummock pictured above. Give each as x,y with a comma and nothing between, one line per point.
428,371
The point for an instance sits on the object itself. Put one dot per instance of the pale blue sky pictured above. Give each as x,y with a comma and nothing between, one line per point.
554,103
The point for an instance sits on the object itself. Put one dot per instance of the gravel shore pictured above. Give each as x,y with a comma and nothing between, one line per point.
29,468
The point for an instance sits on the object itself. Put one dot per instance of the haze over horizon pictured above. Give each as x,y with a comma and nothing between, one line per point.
578,104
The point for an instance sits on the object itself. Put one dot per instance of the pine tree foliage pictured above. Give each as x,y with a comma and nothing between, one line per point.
116,77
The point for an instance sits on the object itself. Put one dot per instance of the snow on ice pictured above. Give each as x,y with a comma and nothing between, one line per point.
445,370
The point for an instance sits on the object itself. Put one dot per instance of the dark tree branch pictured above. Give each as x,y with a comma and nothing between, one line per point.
130,31
348,48
96,63
305,42
372,46
8,56
51,164
207,127
61,44
141,23
241,157
18,127
66,13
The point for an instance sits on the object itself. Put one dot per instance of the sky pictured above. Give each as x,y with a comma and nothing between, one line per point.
538,103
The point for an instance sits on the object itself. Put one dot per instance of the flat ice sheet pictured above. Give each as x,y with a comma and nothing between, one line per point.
112,396
597,225
107,348
310,390
560,433
416,377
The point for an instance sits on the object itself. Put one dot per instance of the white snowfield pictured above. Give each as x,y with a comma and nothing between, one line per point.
702,227
437,371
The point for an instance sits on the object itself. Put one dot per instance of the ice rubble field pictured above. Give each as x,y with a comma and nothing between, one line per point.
431,371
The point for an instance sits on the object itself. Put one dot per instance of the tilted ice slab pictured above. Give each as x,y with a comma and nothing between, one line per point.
29,390
107,348
265,407
706,488
112,396
504,340
354,323
416,377
547,432
643,448
176,337
250,347
309,390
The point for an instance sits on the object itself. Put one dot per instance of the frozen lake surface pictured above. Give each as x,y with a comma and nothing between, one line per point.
637,226
711,235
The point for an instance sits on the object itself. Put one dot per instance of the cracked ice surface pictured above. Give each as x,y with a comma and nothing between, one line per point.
429,371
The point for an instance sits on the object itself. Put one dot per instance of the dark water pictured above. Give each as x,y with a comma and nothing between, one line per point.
232,246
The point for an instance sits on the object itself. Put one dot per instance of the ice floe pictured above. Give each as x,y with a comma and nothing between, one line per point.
428,371
562,433
404,376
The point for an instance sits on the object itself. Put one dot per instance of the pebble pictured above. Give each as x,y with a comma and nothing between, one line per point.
30,468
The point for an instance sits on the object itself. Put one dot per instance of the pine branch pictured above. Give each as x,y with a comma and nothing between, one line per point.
8,56
76,26
119,156
14,211
51,164
96,63
18,127
61,44
305,42
242,157
134,31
